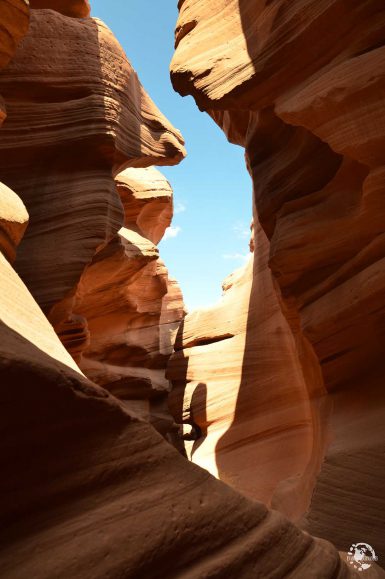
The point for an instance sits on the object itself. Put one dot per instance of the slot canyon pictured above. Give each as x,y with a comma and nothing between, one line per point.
241,440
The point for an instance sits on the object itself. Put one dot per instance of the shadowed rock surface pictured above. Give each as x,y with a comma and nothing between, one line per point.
85,117
89,490
300,85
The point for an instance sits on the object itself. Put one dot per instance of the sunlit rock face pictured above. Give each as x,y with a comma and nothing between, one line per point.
72,453
85,117
241,380
87,489
74,8
301,86
129,308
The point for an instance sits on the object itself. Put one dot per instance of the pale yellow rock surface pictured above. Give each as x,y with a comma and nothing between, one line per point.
240,379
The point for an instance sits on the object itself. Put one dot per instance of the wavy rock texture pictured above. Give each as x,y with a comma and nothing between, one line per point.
301,86
74,8
88,490
84,116
126,310
80,473
241,380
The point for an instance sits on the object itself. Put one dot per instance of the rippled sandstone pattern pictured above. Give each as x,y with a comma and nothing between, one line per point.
85,116
130,308
301,86
88,490
241,380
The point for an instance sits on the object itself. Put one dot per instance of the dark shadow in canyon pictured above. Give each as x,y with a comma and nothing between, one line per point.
199,417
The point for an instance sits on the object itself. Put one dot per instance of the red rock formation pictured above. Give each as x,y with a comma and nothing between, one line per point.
83,120
301,86
87,489
14,18
241,379
74,8
129,308
84,103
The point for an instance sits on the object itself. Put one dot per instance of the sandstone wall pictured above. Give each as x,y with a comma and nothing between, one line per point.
89,490
85,116
300,85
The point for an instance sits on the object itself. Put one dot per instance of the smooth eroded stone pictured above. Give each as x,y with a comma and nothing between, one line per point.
90,490
241,380
301,86
77,114
130,308
147,199
74,8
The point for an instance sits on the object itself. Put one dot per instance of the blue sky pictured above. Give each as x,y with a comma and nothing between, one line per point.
212,190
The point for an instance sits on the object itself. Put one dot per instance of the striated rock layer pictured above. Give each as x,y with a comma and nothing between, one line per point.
85,116
126,310
301,86
88,490
14,22
241,379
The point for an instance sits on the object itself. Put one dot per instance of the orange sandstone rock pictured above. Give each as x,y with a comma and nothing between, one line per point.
301,85
13,222
241,379
84,120
14,18
74,8
87,489
130,308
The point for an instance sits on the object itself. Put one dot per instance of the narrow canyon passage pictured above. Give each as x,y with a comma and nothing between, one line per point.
243,439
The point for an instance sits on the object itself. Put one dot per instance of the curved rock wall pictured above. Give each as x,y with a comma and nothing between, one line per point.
241,379
86,117
89,490
73,8
126,305
301,85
